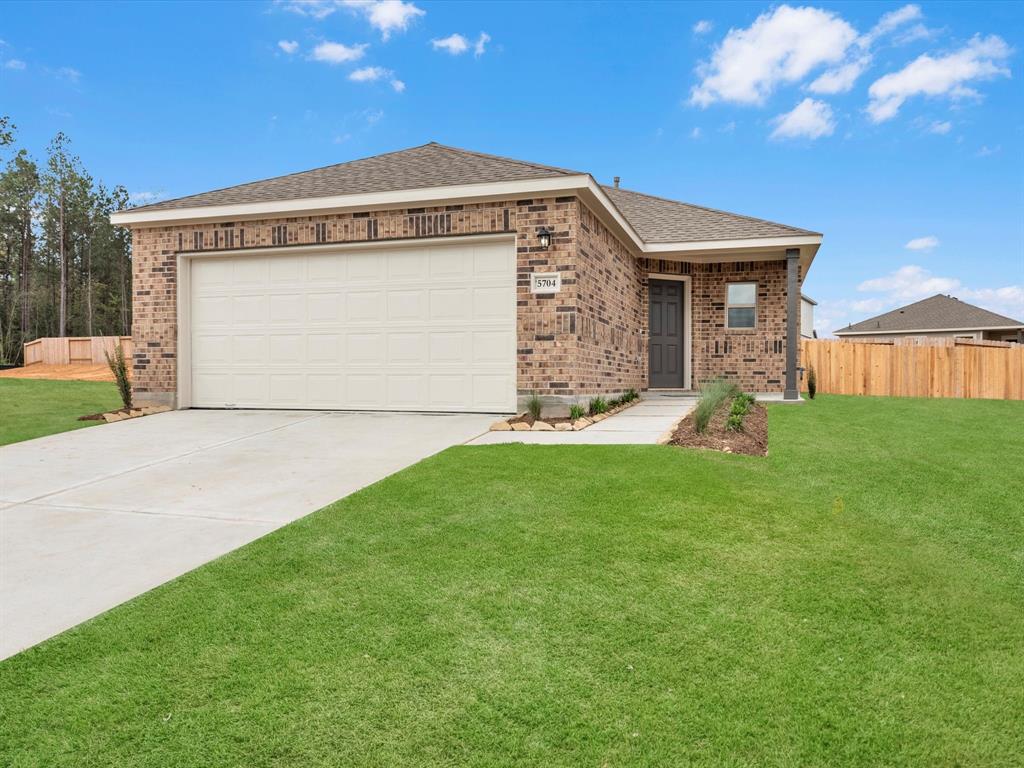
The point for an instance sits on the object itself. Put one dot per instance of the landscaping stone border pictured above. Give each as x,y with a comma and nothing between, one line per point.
564,426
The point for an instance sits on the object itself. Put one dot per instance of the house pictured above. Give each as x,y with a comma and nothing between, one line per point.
938,316
807,305
439,279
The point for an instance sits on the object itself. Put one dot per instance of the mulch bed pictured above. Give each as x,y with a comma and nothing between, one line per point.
751,440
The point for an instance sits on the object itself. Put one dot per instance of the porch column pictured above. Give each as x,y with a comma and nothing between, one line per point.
792,321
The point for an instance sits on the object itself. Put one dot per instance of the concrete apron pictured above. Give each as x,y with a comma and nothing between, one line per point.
91,518
642,424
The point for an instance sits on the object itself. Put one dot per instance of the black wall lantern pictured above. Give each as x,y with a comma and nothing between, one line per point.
544,238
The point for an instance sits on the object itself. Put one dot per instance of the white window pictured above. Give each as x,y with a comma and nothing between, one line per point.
741,305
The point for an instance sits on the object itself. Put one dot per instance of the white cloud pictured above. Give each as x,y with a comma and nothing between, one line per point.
946,75
987,151
387,16
781,46
373,116
695,133
367,74
910,283
455,44
702,27
14,64
288,46
338,53
316,9
941,127
841,78
810,119
341,138
481,44
70,74
398,85
891,21
913,283
922,243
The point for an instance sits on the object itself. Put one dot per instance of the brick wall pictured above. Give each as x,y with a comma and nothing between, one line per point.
754,358
611,311
589,338
546,349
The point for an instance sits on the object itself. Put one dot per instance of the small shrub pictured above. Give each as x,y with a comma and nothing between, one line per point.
119,367
630,396
615,402
597,405
576,411
812,382
734,422
534,406
712,395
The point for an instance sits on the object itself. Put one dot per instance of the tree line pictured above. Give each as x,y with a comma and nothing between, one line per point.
64,269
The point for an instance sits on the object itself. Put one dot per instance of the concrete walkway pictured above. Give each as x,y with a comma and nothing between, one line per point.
641,424
91,518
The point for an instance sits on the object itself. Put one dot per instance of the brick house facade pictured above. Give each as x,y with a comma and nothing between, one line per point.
589,338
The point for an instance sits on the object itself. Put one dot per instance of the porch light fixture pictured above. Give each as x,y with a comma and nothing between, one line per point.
544,238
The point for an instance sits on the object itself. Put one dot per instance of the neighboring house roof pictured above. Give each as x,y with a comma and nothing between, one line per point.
658,220
938,313
434,166
808,299
430,165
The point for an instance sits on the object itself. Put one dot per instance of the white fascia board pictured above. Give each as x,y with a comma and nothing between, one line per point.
751,243
930,330
370,200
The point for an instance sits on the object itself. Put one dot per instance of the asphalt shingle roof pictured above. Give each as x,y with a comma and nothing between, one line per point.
939,312
655,219
430,165
658,220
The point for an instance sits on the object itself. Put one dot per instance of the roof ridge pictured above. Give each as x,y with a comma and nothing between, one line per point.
489,156
712,210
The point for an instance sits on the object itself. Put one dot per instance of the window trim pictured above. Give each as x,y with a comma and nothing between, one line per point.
729,306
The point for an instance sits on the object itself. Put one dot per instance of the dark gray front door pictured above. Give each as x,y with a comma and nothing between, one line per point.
666,327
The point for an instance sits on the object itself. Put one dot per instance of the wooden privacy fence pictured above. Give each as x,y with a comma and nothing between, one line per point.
74,349
917,368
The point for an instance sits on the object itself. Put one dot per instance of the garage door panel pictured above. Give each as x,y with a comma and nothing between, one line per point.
364,306
421,328
451,305
248,349
249,309
324,307
287,308
250,272
364,349
324,349
287,349
407,349
407,306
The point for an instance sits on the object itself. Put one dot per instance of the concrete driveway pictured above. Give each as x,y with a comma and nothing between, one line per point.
91,518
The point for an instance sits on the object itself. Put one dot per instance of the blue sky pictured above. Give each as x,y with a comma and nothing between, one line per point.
895,129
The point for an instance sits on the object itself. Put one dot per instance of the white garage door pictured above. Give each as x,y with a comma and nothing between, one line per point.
403,328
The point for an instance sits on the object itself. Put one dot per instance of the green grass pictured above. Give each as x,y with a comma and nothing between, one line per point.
32,407
855,598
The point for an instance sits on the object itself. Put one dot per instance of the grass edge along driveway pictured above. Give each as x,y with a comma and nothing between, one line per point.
31,408
855,598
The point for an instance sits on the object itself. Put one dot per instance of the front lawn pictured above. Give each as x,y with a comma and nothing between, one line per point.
855,598
34,407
